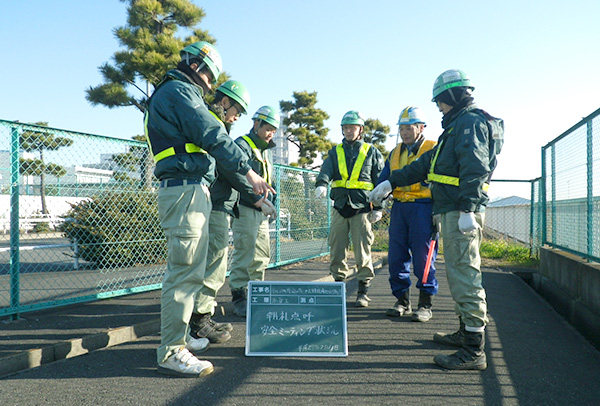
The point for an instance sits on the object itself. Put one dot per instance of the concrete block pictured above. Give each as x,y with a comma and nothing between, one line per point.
557,297
587,323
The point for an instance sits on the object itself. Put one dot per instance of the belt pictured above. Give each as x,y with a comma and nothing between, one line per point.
179,182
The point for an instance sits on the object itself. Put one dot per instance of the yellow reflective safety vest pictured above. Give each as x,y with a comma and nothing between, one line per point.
267,167
352,182
398,159
160,149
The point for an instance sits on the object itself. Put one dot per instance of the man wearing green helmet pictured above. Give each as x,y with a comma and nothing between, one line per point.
459,168
187,142
352,168
231,100
252,247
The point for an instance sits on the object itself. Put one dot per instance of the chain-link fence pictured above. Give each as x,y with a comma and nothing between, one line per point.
79,221
79,218
570,188
509,214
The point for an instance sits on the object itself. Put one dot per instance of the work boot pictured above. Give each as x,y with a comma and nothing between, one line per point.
470,357
401,307
202,325
362,300
423,312
218,326
455,339
239,302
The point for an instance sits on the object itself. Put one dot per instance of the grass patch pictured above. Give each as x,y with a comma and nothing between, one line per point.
508,252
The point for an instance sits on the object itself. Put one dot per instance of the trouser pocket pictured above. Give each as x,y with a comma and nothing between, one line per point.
182,249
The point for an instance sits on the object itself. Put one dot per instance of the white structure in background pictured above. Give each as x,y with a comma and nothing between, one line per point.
510,217
285,152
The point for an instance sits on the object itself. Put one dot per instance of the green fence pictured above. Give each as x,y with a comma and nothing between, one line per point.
78,215
570,189
79,220
564,208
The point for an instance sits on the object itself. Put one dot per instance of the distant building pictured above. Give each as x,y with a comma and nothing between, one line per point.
285,152
509,218
509,201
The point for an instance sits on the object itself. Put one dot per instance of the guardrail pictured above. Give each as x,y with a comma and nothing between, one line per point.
74,246
28,223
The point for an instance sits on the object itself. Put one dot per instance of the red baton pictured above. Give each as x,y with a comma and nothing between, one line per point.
434,238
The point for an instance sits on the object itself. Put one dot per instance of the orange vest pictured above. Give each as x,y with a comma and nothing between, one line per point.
398,160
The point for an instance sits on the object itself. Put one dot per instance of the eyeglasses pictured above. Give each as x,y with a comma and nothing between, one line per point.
237,108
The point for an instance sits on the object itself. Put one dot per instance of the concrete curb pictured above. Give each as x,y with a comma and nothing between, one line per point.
78,346
33,358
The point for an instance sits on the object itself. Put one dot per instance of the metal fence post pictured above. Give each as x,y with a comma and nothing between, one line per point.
75,254
14,223
278,218
590,190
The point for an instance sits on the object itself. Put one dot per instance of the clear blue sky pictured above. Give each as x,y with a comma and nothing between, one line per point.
534,63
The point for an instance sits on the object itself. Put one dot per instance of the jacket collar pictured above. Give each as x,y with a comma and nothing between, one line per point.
414,147
182,76
260,144
354,144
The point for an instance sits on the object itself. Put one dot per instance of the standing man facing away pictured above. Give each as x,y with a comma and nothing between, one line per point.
352,168
185,139
411,224
459,169
231,101
251,242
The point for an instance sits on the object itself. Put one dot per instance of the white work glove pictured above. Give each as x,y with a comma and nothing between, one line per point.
320,192
380,192
375,216
267,208
467,222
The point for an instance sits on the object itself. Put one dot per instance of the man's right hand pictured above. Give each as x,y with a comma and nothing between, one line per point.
380,192
320,192
259,185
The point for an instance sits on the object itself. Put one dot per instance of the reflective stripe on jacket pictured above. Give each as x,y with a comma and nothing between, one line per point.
445,179
267,167
177,118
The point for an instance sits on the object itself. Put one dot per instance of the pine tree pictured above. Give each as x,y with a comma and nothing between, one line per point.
37,140
376,133
151,49
305,127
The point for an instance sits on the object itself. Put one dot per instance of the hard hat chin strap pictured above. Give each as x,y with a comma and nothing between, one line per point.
188,62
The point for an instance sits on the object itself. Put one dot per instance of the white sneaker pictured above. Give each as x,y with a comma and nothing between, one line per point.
184,364
197,345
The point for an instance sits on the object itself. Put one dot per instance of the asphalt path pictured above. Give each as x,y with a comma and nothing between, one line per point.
534,357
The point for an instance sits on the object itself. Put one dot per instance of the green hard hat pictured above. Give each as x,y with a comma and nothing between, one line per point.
237,91
449,79
207,54
353,117
267,114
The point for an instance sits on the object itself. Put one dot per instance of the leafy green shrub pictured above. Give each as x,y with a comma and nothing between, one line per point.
116,229
41,228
